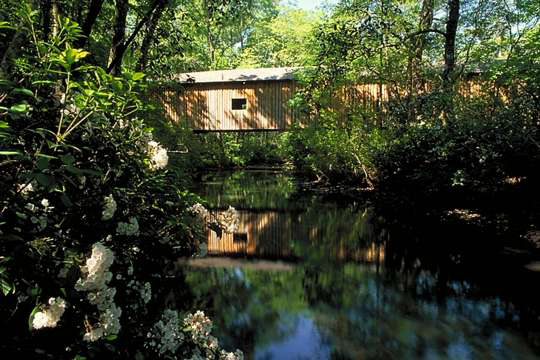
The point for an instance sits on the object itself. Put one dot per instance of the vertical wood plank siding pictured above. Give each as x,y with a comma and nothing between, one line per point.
270,234
208,106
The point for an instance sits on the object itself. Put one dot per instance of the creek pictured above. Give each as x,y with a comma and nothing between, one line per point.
311,276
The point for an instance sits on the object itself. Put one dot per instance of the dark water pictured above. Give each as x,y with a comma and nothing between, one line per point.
311,277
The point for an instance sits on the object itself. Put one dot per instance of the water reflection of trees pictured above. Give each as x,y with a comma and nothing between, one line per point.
264,189
429,291
376,286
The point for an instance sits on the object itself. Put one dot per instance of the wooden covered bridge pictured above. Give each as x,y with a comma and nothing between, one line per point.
255,99
230,100
242,100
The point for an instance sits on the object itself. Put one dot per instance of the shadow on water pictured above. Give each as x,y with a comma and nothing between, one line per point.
307,279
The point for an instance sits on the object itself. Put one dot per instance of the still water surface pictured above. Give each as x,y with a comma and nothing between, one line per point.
311,277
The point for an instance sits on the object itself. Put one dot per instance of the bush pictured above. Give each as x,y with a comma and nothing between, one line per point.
90,216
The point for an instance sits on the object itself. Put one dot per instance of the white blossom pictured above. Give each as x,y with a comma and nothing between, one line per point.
128,229
228,220
200,211
237,355
26,189
146,292
109,207
95,272
94,334
199,325
166,335
158,156
96,276
50,316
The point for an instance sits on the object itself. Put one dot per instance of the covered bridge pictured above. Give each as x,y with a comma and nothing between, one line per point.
230,100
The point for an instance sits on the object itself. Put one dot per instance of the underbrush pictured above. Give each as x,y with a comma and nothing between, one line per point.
486,146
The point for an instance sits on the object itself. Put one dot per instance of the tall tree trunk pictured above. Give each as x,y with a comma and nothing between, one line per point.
149,36
93,11
55,13
450,43
46,14
50,13
450,59
119,34
419,44
116,62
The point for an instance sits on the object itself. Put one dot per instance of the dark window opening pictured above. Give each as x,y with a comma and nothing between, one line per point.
239,104
240,238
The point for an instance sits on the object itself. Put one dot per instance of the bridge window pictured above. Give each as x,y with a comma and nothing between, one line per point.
240,238
239,104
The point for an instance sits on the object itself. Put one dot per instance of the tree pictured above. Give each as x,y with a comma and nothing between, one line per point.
281,40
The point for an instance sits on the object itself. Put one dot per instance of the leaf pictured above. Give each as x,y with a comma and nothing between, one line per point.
68,159
72,169
19,108
111,337
44,179
117,85
5,25
6,287
137,76
43,82
91,172
31,317
23,91
66,200
7,152
50,157
42,163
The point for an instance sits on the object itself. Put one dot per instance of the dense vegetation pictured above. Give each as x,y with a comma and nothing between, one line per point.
432,132
94,207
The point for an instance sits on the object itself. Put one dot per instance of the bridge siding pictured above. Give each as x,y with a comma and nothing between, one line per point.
207,106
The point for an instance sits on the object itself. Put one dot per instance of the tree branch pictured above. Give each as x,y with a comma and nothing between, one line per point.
122,48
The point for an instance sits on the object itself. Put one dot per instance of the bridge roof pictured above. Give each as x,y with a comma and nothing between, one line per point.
238,75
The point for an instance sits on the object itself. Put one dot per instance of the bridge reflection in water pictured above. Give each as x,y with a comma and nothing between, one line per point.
273,234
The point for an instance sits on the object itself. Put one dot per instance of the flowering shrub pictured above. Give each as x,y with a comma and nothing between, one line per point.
158,156
50,316
88,210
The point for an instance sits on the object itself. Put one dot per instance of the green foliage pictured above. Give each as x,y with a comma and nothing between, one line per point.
200,151
281,41
76,168
426,136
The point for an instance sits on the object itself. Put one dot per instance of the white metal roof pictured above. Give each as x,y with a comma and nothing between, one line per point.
238,75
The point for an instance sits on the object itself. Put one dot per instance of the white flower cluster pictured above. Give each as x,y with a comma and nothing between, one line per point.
39,216
96,272
50,316
144,290
128,229
158,156
199,325
96,276
237,355
200,211
166,335
26,189
228,220
109,207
